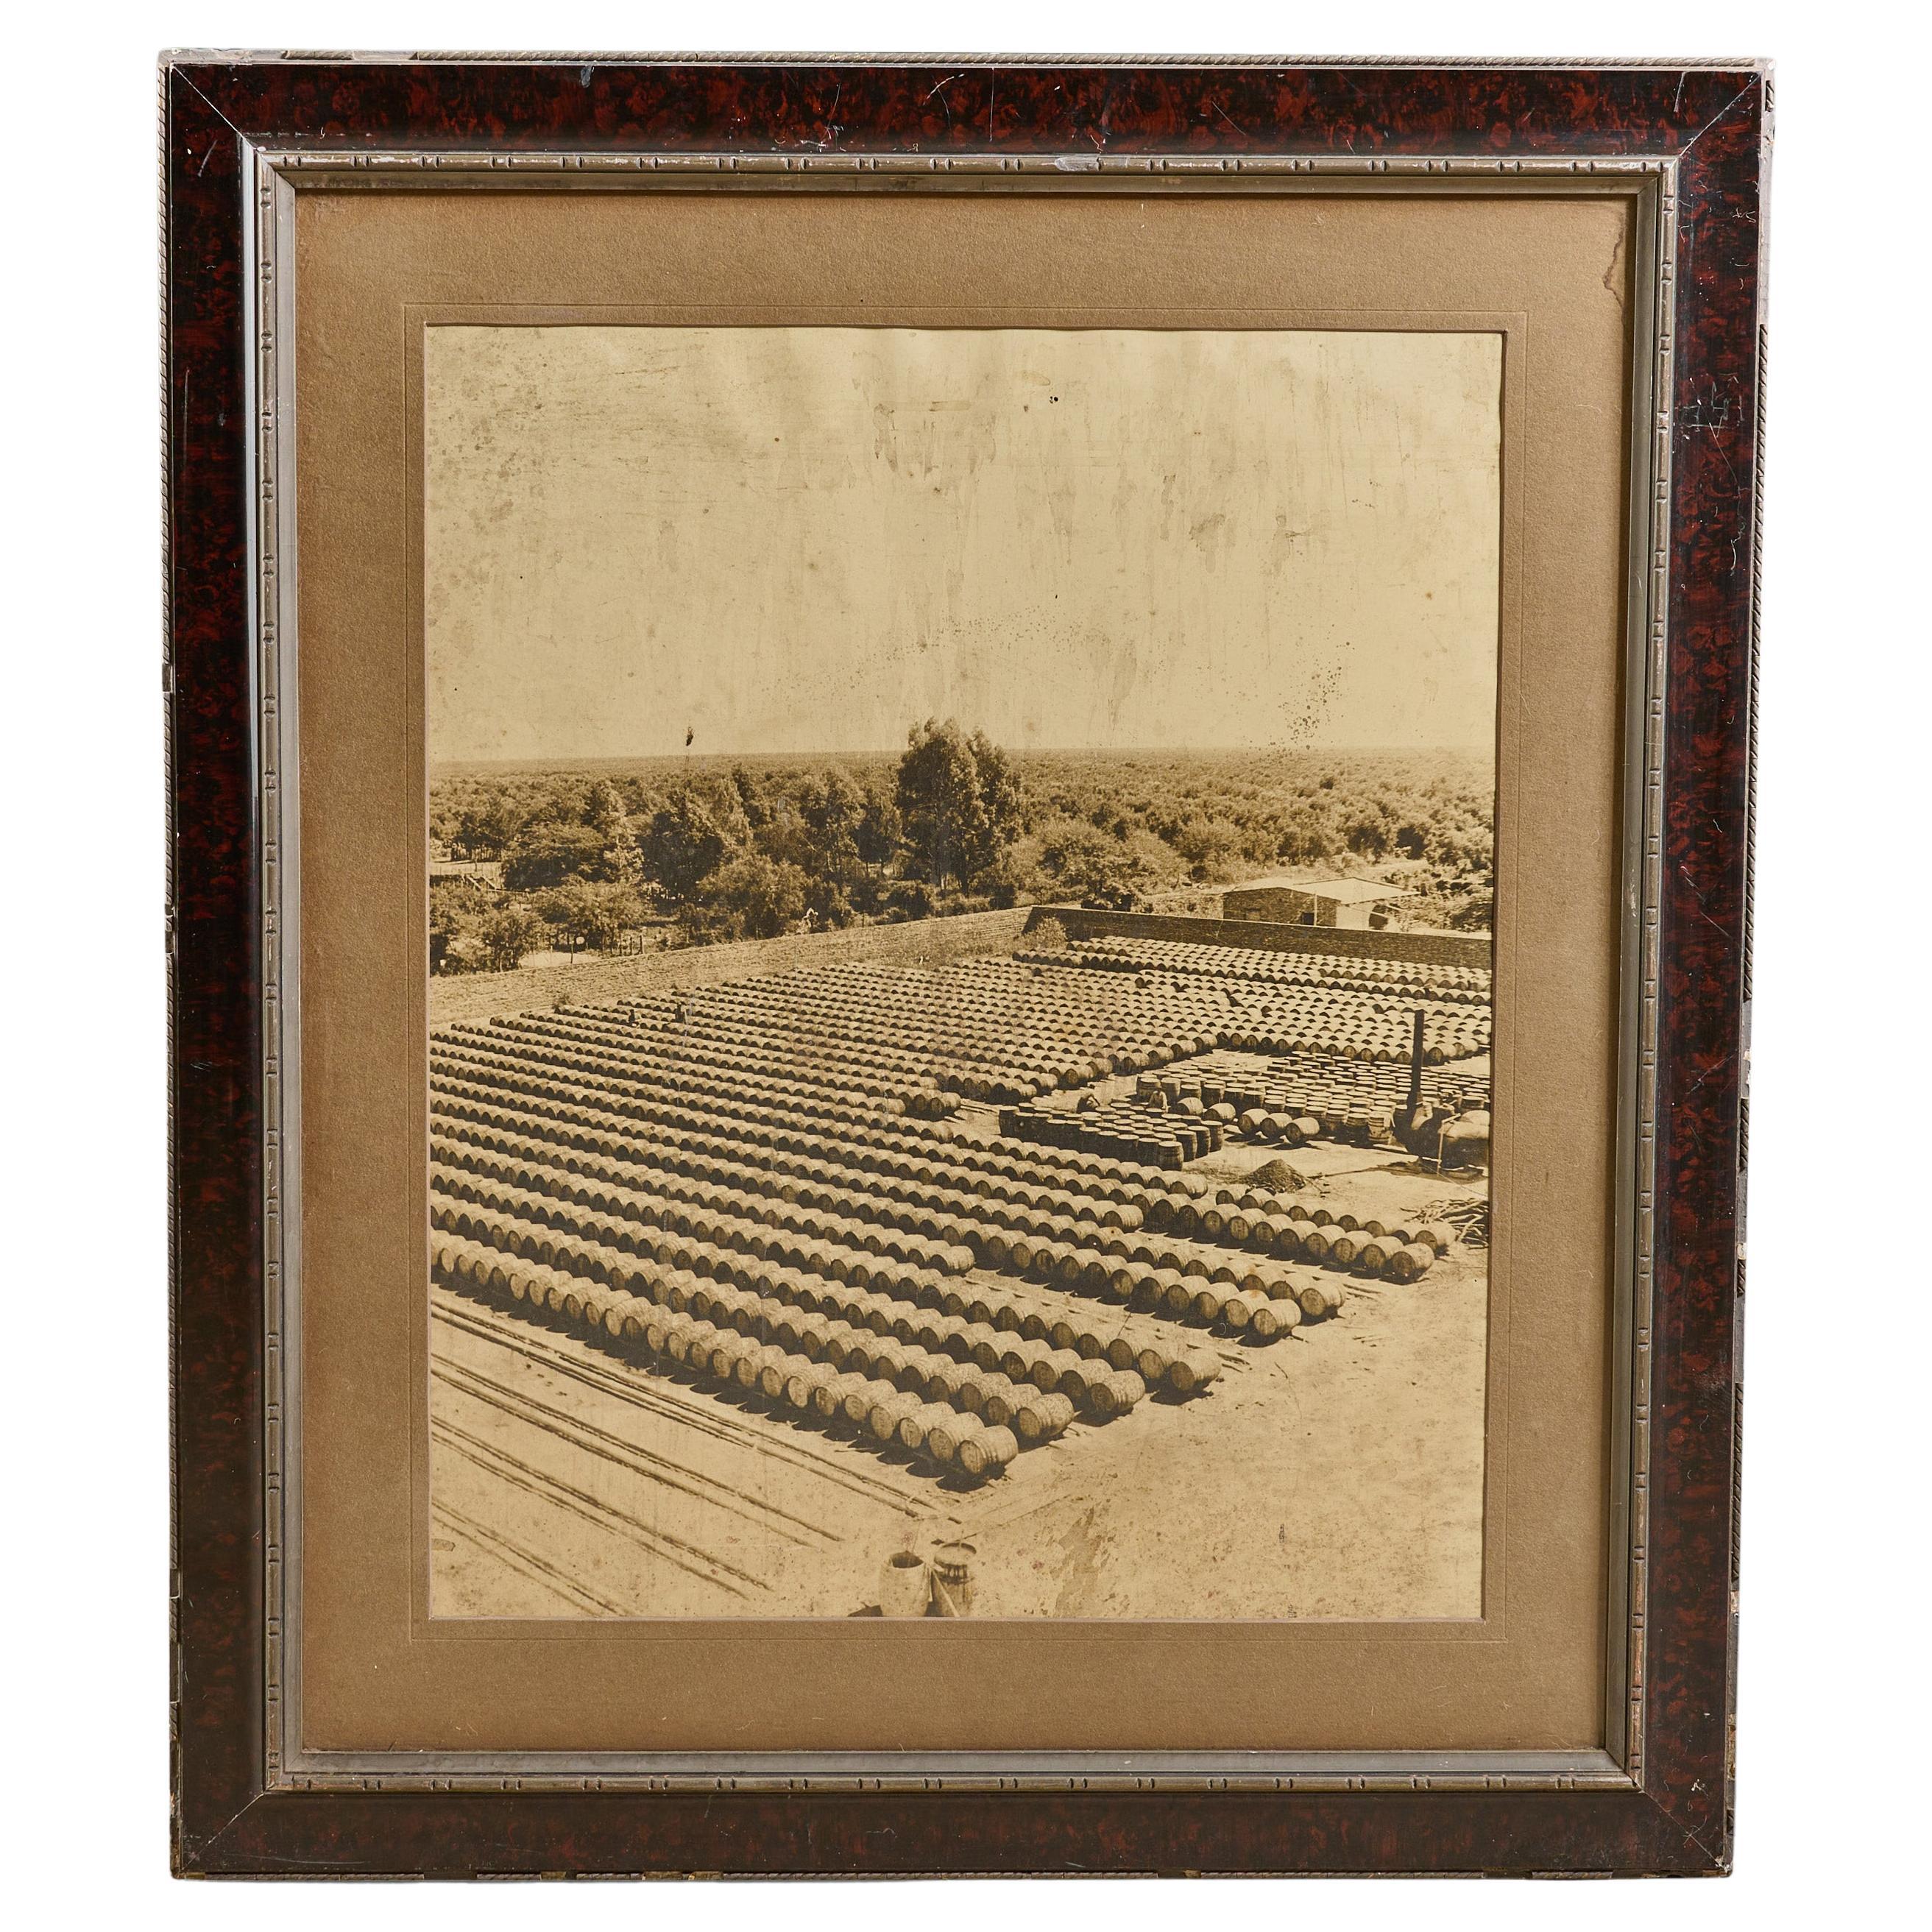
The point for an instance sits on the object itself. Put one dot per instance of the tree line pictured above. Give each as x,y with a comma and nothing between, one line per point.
754,849
737,854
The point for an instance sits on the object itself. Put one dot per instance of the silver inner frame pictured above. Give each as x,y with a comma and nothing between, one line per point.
270,177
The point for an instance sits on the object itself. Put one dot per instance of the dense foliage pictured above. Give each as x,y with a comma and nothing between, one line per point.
711,850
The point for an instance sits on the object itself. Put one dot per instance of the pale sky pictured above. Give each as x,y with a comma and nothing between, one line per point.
804,540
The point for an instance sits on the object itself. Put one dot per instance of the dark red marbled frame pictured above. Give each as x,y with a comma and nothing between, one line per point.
1715,121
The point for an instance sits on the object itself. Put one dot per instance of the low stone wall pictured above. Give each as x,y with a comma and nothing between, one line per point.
1426,949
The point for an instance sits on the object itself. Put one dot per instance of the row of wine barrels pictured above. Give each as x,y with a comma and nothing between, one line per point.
874,1404
801,1084
937,1414
851,1215
963,1204
521,1064
569,1104
725,1043
916,1285
834,1320
642,1222
759,1055
1147,1274
955,1050
950,1028
531,1080
1346,994
635,1063
1334,1092
1249,963
870,1141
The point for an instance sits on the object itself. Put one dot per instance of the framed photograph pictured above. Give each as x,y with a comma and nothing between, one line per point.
960,938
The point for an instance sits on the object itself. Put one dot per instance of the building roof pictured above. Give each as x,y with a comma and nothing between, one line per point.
1336,891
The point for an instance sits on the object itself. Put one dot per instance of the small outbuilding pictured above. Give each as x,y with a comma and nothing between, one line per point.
1358,904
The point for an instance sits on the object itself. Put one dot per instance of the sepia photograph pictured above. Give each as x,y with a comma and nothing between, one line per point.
960,883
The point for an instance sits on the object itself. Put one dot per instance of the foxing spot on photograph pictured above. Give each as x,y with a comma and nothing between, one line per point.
960,878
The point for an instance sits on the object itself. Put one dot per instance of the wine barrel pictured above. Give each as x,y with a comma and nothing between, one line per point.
1016,1359
860,1400
1346,1248
984,1344
984,1455
1053,1367
1116,1394
1153,1361
687,1335
1039,1418
905,1587
998,1393
913,1427
1269,1319
1406,1264
1376,1250
888,1411
721,1357
1319,1298
1073,1382
1236,1311
803,1385
971,1395
946,1432
1190,1373
1290,1240
947,1381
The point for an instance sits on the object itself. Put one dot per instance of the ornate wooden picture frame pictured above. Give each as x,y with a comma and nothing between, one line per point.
1686,148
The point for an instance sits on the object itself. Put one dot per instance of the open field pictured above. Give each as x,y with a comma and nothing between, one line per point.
745,1282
